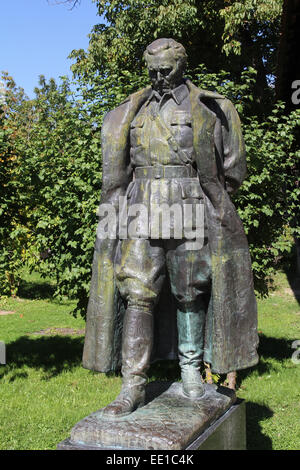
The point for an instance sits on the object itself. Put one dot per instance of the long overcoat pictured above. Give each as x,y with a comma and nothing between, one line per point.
231,322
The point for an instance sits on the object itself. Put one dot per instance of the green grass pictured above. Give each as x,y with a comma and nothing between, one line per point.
44,390
272,389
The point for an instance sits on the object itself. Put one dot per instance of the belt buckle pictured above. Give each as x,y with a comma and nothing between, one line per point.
159,172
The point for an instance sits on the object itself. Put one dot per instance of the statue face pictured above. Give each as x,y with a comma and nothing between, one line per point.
164,71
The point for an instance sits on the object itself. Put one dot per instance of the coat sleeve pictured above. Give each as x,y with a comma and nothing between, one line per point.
234,155
102,344
116,168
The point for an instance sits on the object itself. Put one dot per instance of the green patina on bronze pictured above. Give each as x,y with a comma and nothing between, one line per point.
224,328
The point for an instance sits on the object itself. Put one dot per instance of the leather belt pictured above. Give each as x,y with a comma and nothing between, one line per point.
159,172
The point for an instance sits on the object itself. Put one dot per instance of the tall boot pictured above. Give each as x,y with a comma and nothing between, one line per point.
190,326
136,351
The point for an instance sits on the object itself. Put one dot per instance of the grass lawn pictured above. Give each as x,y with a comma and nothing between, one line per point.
44,390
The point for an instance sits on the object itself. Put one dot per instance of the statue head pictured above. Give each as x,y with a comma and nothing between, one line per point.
166,61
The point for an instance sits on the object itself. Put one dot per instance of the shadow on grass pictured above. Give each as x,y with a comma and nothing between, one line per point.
294,282
36,290
277,348
54,354
57,353
256,413
291,268
269,348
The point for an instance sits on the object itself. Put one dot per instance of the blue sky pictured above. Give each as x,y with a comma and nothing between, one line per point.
36,37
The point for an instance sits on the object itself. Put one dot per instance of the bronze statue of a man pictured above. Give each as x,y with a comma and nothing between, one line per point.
155,296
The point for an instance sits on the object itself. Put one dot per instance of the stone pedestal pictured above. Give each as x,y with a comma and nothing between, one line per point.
168,421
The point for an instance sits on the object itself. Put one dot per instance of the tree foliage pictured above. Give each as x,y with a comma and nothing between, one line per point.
14,112
224,35
56,182
50,153
268,200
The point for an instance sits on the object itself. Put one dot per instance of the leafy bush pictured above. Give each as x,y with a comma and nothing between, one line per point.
50,147
268,200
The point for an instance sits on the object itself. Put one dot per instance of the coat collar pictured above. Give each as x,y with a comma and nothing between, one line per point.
178,94
141,96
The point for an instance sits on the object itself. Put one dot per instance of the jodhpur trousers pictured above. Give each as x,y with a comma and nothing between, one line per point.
141,266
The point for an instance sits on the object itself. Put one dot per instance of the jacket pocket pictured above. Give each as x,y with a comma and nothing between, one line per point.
137,122
181,118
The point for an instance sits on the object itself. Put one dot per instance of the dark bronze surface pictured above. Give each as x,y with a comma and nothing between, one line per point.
157,298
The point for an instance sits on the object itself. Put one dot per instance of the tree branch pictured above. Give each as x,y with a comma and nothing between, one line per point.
60,2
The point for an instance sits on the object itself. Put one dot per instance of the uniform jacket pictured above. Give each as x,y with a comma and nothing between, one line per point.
231,323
